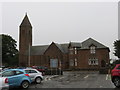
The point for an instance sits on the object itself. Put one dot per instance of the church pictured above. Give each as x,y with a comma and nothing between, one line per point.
89,54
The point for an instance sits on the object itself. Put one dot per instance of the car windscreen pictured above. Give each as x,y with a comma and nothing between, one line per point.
7,73
30,71
11,73
118,67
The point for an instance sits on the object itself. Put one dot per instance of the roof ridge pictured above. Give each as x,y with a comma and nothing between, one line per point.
86,43
40,45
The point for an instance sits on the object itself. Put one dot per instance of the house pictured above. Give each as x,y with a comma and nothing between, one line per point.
89,54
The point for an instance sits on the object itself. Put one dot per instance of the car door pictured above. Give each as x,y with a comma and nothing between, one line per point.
32,74
29,72
10,76
118,68
14,77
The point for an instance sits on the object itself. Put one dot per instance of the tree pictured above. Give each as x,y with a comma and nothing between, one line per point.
117,48
9,51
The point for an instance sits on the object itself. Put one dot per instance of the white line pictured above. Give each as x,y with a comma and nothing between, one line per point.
107,77
62,77
46,79
86,76
50,77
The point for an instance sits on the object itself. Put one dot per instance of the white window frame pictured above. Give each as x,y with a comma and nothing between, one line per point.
75,61
93,61
92,50
75,50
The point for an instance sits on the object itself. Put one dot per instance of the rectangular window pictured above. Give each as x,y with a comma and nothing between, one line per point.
53,63
75,50
92,49
93,61
71,50
75,61
71,62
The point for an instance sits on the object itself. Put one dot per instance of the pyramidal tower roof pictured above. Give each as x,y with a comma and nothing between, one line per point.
26,21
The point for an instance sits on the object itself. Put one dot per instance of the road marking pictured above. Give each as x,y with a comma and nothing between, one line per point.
86,76
62,77
50,77
46,78
108,77
101,86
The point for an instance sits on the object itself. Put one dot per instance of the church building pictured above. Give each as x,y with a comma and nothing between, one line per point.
89,54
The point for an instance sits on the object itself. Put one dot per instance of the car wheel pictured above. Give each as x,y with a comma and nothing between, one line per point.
38,80
116,82
25,84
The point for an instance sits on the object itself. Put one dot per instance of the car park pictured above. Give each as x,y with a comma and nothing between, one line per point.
17,78
115,75
35,75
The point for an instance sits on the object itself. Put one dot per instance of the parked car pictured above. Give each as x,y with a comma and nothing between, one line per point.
0,69
4,83
41,69
35,75
17,78
115,75
23,67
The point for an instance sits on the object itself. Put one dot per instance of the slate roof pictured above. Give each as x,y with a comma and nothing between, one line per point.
64,47
85,44
39,50
26,22
75,44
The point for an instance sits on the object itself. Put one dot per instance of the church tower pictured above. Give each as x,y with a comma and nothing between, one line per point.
25,41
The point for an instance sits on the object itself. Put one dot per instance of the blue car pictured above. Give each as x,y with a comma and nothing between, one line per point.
17,78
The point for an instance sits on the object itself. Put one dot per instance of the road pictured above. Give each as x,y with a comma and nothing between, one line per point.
76,79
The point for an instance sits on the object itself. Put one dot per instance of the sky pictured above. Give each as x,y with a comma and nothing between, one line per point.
63,21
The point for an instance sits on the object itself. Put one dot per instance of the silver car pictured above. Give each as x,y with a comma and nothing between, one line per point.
4,83
35,75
